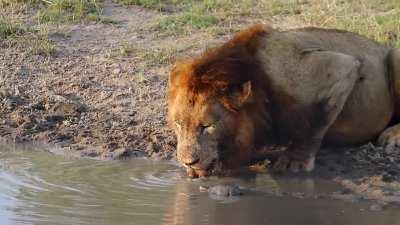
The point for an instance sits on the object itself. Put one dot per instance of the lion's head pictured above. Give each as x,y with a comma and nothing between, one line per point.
217,106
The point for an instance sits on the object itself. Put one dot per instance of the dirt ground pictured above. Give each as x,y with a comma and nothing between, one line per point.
88,100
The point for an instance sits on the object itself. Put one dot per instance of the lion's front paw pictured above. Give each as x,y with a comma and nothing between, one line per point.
285,162
391,136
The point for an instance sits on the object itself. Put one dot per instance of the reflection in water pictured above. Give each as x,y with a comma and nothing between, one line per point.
257,207
41,188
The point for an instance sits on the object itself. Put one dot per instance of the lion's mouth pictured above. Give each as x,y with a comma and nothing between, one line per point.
197,171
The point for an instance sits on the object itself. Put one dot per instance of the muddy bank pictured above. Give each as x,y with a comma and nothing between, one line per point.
82,99
80,105
372,172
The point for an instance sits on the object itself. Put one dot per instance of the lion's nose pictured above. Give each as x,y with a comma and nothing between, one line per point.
191,162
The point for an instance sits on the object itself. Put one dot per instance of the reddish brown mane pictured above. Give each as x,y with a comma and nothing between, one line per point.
220,70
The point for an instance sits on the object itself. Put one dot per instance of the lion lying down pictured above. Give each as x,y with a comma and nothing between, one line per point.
281,94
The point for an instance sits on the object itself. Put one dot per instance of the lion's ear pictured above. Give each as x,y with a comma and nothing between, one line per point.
239,96
180,67
243,94
173,76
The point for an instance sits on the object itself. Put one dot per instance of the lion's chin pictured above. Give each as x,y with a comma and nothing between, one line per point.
197,173
194,172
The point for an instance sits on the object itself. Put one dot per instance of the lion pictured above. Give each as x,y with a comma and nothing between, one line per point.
282,95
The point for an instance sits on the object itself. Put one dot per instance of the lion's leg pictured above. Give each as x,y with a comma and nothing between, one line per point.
338,74
391,136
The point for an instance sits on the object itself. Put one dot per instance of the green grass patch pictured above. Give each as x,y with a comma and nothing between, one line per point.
144,3
36,43
281,7
377,19
161,5
95,17
59,11
8,29
14,34
161,56
182,17
126,49
19,5
68,10
183,23
146,57
197,15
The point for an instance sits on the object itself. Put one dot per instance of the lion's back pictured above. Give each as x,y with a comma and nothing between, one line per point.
341,41
283,53
354,125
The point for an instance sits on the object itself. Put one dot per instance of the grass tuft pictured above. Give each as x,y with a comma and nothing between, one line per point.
96,17
8,29
32,41
59,11
378,20
161,5
144,3
183,23
68,10
19,5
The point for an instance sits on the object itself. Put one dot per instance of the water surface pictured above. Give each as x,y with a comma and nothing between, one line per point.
37,187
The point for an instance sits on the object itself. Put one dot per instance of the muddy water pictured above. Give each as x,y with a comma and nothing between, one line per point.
41,188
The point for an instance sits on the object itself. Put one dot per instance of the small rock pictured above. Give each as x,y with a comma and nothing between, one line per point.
4,93
137,153
392,172
376,208
19,117
26,125
150,149
203,189
121,153
159,156
116,71
298,195
388,178
390,149
223,191
89,153
107,125
17,91
345,197
65,109
168,8
57,98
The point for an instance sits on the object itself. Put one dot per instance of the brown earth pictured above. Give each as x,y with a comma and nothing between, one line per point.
88,100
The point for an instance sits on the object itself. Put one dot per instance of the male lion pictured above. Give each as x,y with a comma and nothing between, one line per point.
282,93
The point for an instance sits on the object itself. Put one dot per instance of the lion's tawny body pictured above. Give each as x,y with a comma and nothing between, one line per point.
295,89
370,96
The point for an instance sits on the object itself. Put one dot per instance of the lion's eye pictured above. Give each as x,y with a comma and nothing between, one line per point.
207,129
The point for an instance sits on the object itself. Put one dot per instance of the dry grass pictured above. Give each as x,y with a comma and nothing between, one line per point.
377,19
59,11
68,10
14,34
8,29
146,57
34,40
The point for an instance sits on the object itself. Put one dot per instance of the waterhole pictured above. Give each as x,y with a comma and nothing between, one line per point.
37,187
